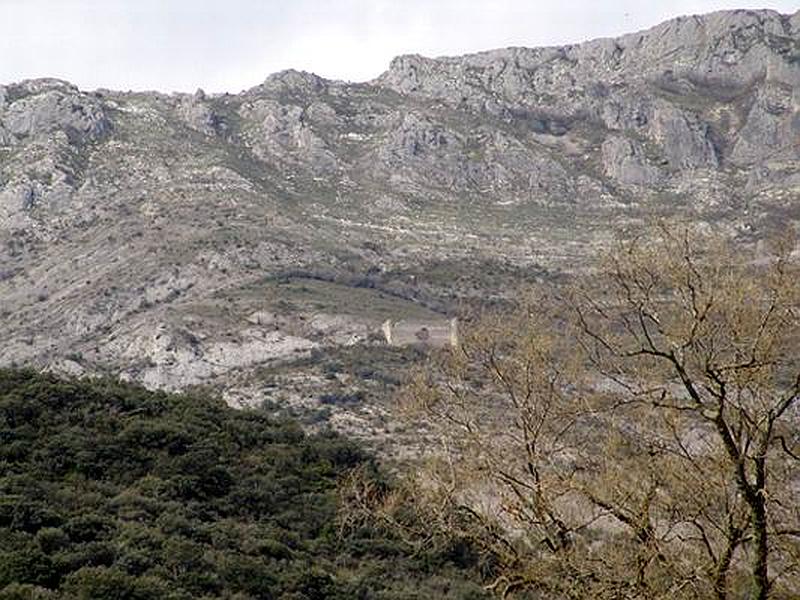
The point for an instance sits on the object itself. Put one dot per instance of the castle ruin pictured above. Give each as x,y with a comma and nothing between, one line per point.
436,334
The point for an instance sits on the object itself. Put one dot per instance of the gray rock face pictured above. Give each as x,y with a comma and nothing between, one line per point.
16,200
417,136
423,150
772,126
81,117
684,138
293,82
198,114
286,132
140,232
624,160
669,81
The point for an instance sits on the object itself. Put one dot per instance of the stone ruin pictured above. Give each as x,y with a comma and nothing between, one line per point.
436,334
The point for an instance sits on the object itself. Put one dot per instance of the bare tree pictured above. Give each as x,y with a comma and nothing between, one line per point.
634,439
695,327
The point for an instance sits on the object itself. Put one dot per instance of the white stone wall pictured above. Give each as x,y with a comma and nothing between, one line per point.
427,333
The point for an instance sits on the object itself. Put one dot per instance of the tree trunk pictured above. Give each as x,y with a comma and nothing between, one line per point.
761,556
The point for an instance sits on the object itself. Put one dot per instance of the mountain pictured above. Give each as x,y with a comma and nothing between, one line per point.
183,239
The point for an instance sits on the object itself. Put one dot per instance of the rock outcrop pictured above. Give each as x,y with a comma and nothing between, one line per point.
39,107
624,160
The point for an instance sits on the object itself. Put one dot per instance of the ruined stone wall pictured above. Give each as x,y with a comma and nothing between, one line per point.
436,334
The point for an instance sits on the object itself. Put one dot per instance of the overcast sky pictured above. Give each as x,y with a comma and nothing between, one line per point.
230,45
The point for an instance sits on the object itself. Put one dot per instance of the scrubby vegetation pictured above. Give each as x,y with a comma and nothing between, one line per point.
111,491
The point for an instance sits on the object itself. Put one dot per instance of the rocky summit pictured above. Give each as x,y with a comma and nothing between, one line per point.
189,239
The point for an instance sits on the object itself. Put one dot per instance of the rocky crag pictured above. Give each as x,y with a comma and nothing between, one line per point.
180,239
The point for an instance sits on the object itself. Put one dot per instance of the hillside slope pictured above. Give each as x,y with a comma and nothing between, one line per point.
180,239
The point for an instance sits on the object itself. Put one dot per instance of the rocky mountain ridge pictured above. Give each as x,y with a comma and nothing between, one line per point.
181,239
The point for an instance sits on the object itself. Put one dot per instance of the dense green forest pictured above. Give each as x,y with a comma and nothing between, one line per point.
108,490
